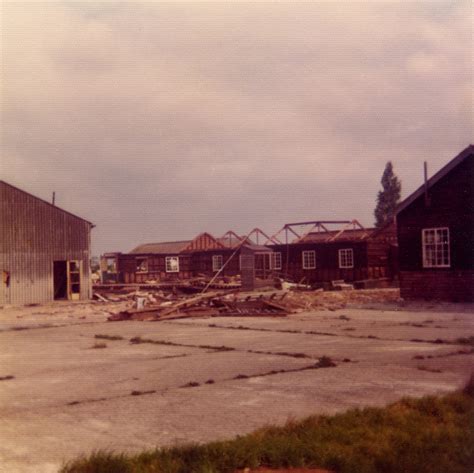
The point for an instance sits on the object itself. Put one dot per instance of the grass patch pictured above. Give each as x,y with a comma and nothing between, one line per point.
427,435
108,337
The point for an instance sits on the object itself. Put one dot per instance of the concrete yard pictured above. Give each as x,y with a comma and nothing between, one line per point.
61,397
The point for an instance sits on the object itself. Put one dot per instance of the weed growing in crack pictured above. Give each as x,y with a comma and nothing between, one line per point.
6,378
141,393
191,384
325,362
431,370
108,337
466,340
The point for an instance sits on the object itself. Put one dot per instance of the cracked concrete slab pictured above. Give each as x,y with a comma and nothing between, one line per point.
67,398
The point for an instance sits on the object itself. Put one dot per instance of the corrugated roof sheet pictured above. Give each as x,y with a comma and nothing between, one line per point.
46,202
166,247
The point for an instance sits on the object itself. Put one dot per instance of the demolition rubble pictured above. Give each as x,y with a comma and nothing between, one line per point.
156,302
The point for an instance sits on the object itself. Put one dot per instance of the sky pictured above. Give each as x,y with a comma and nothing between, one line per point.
157,121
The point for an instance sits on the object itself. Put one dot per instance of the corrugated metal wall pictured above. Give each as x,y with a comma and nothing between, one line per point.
33,235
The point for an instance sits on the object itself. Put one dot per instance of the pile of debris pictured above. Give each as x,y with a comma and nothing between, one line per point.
334,300
211,304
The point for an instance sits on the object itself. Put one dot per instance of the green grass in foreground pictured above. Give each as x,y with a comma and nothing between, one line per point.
428,435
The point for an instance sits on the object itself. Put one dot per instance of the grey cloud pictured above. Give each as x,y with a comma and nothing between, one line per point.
158,120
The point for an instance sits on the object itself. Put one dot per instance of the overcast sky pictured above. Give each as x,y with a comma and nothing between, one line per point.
157,121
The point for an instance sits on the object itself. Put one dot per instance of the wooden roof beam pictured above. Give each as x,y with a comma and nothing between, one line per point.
257,231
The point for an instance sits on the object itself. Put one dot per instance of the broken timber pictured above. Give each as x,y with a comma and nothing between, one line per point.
208,305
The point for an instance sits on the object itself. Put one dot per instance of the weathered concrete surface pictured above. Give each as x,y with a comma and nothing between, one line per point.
67,398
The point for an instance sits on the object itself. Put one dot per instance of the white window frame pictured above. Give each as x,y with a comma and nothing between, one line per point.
170,266
277,260
436,252
306,257
217,262
346,258
143,264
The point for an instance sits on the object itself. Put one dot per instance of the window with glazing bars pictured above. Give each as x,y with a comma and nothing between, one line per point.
216,262
346,258
435,242
309,259
172,264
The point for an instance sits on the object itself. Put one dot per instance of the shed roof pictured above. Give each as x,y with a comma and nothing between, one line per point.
166,247
463,155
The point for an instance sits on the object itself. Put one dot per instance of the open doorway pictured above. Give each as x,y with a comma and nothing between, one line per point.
67,280
60,279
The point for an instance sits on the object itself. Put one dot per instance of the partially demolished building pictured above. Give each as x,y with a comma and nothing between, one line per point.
317,257
351,254
44,250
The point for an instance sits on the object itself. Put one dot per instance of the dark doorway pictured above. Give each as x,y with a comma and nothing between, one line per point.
60,279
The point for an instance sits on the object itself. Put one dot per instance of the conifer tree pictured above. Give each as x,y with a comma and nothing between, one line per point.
388,198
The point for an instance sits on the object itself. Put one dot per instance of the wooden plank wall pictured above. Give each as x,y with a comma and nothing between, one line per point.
190,265
327,261
451,205
454,286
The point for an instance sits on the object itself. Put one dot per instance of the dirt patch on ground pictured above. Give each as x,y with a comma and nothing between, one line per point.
333,300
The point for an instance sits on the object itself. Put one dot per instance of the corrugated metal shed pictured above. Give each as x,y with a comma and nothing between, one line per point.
34,235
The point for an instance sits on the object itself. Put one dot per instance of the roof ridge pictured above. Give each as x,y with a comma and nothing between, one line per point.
45,202
449,166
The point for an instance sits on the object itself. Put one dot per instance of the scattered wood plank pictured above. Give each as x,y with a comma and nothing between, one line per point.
101,298
188,302
207,305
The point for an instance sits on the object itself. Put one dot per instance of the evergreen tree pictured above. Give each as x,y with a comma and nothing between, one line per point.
388,198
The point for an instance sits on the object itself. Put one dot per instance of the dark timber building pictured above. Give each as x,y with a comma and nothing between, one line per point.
436,235
44,250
